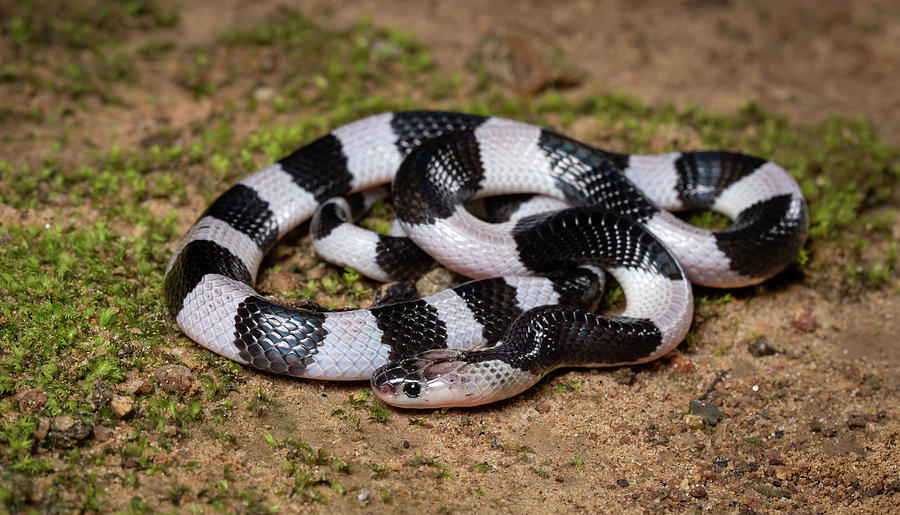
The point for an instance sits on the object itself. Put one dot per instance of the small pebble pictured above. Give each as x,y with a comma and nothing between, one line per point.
173,378
760,348
693,421
622,482
805,321
66,431
63,423
121,405
32,399
681,364
101,393
709,411
138,386
363,495
263,93
43,427
720,462
698,492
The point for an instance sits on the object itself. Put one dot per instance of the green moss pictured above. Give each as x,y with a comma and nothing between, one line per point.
66,297
79,25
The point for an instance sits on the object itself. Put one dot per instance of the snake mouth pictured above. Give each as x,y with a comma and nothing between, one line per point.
427,380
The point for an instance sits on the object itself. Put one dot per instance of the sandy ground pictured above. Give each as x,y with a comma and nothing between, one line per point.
812,427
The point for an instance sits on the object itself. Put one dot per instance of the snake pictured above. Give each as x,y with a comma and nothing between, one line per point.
529,308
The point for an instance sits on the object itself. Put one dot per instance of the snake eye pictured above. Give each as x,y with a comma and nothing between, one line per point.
412,389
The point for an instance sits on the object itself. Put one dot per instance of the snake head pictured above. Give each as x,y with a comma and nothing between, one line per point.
431,379
448,377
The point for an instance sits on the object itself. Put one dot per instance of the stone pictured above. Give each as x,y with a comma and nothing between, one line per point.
173,378
760,348
805,321
32,399
67,430
121,405
42,428
693,421
138,386
63,423
698,492
709,411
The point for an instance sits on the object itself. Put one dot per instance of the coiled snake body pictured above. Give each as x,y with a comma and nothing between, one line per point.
532,299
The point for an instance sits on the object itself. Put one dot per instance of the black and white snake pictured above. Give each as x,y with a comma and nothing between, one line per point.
533,300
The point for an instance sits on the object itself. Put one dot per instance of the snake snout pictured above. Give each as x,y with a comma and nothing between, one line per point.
426,380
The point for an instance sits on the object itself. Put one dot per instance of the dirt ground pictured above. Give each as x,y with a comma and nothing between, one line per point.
811,426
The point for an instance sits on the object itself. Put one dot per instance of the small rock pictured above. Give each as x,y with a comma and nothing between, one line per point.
709,411
121,405
170,430
66,431
805,321
101,393
760,348
173,378
102,433
394,466
783,473
32,399
63,423
698,492
263,93
622,482
542,407
693,421
363,495
720,462
138,386
682,365
43,427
